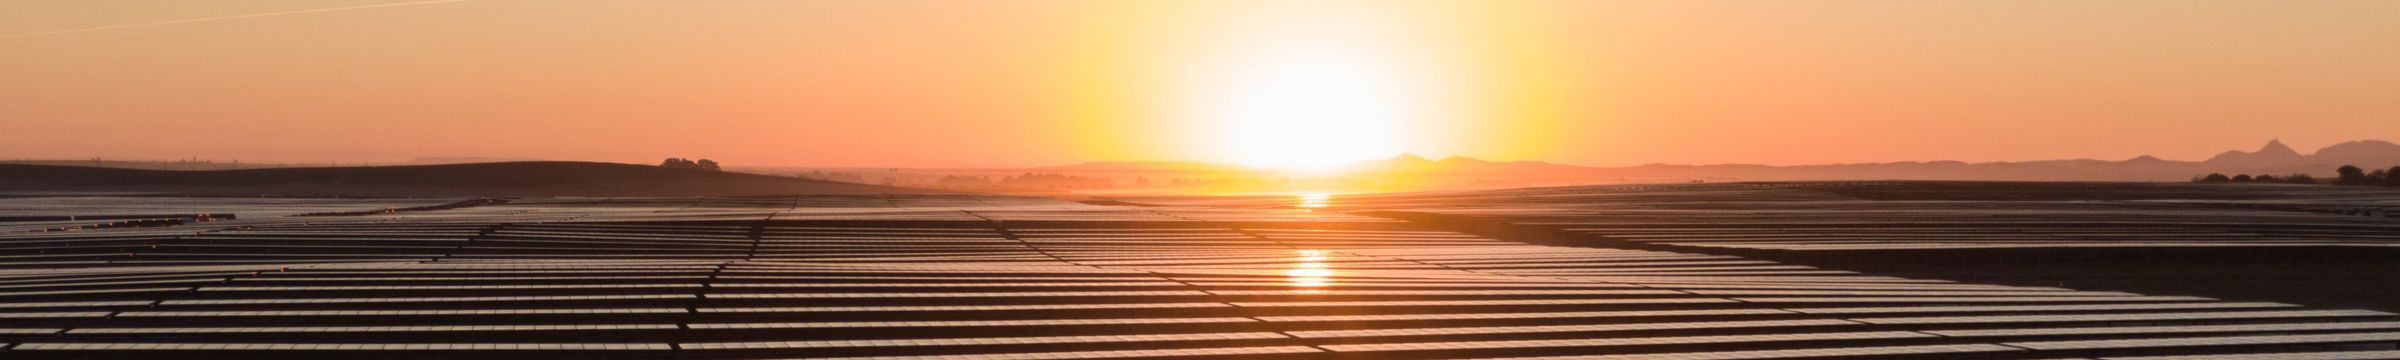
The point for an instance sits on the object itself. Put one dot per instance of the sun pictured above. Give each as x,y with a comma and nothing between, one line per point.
1312,90
1313,110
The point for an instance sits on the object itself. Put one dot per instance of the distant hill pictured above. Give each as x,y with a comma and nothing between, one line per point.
1141,166
439,160
2274,154
2273,158
155,164
2367,153
549,178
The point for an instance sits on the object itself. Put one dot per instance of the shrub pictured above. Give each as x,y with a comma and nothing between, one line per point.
680,163
2350,175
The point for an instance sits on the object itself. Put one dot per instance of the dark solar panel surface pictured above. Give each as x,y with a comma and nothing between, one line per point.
944,277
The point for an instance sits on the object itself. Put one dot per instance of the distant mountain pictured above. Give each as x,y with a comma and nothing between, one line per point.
552,178
1141,166
1407,164
445,160
2367,153
1402,163
2274,154
2146,159
2273,158
153,165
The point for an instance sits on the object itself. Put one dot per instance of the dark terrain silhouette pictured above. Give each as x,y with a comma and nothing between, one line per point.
546,178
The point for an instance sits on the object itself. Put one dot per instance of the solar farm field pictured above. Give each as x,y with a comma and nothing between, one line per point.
1539,273
2326,245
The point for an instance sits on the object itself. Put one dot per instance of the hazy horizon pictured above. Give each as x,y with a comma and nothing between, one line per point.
477,159
1200,179
937,84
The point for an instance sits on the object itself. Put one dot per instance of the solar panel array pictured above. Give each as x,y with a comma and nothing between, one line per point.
1027,278
1808,216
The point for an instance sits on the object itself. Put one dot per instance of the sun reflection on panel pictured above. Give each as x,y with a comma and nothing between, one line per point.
1310,274
1314,201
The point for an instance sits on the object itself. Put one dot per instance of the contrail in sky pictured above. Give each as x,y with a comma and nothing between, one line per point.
227,17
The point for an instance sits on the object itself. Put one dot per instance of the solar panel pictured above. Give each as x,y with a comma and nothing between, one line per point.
935,278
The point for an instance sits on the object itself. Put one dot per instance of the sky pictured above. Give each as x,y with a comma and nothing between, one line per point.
976,83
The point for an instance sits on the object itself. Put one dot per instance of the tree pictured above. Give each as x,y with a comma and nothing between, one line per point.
2214,178
2241,178
2377,177
2300,179
680,163
2350,175
2392,177
2267,178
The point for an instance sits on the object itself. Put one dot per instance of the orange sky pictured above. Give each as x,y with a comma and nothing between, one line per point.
1017,83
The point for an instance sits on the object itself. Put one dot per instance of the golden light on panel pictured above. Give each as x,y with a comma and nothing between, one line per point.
1314,200
1309,274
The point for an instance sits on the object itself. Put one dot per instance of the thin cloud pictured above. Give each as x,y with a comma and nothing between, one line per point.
226,17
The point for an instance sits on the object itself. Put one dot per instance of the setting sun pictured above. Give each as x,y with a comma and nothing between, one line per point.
1313,110
1310,87
1314,200
1199,179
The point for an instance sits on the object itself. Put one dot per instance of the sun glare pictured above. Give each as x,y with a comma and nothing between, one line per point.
1313,111
1310,272
1313,89
1314,200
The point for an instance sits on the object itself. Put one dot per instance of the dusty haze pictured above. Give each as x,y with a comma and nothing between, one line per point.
977,83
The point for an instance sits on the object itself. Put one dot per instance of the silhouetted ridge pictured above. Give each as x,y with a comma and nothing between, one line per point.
1409,160
2363,153
1410,172
546,178
2274,153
